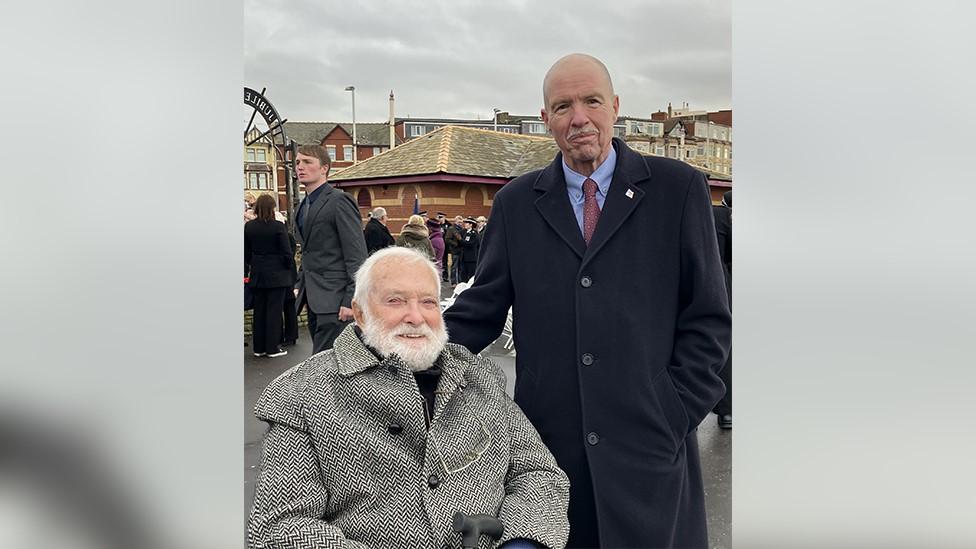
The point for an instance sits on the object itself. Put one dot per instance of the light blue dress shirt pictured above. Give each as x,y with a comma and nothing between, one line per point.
574,184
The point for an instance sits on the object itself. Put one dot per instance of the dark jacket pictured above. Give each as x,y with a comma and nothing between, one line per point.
415,236
268,259
723,230
377,236
470,244
452,238
619,342
333,248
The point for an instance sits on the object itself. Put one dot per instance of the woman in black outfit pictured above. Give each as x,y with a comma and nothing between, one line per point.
268,259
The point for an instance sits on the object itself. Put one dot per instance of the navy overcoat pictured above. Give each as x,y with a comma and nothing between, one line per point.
619,343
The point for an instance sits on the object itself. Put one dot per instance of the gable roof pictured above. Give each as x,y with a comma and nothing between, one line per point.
312,133
457,150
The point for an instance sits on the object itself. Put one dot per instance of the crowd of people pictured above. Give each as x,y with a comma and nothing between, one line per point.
620,296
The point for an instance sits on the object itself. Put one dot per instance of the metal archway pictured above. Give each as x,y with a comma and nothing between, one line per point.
284,148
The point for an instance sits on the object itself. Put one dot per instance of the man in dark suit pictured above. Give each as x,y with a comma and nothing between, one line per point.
723,230
333,248
376,232
621,319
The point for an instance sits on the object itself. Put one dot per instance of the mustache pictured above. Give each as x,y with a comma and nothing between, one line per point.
582,131
406,329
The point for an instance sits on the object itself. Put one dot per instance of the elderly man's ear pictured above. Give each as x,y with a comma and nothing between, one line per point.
358,315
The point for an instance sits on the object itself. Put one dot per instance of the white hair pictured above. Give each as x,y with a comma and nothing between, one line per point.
396,254
379,212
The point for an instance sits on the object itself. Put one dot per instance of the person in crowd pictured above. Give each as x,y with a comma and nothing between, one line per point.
609,261
723,229
376,232
470,245
269,261
349,461
415,235
289,333
482,222
436,232
452,250
329,230
459,228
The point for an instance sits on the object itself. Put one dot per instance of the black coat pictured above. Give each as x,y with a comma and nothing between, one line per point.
377,236
723,230
470,244
268,257
619,343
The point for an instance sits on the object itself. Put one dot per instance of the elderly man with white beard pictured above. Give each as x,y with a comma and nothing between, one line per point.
380,440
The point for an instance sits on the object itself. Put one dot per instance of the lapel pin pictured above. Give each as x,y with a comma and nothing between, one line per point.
630,193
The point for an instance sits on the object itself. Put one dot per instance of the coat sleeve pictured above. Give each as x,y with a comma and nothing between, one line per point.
289,496
284,247
350,232
703,333
478,314
536,489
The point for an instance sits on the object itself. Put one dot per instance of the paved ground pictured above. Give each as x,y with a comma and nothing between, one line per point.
715,444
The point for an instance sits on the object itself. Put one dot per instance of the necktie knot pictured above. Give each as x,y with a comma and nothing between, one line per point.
589,188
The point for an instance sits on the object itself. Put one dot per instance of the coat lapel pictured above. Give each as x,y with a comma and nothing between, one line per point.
555,208
328,193
622,198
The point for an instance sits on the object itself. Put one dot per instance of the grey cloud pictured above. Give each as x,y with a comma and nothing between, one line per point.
461,58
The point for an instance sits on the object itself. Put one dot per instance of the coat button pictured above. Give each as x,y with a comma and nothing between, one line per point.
433,481
593,439
586,359
395,428
586,282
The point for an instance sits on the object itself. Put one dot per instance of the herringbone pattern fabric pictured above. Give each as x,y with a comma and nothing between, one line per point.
348,461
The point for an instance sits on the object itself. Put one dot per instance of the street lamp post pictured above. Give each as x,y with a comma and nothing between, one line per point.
354,142
496,111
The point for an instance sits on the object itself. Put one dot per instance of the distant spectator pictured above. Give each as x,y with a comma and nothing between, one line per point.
470,245
437,242
376,232
452,243
269,262
415,235
482,222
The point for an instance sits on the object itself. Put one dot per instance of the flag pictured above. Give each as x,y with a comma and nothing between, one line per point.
416,204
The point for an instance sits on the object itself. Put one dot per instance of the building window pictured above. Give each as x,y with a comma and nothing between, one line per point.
659,150
535,127
701,150
332,152
347,152
261,155
619,131
250,154
377,150
416,131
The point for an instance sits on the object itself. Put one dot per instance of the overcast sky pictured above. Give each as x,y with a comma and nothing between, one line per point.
461,58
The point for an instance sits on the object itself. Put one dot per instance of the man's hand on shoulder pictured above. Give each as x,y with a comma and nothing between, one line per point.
345,314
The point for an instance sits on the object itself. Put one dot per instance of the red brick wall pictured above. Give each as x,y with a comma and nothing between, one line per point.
429,195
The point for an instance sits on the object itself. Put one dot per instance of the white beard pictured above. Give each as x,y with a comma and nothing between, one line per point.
416,358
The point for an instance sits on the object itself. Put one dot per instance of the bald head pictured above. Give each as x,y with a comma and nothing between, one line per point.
574,62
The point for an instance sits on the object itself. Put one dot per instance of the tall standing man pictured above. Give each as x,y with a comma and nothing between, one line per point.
609,260
333,248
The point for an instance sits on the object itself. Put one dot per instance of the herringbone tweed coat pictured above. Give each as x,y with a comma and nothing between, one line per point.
349,462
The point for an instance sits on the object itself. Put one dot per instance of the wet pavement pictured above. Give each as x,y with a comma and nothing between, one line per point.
715,445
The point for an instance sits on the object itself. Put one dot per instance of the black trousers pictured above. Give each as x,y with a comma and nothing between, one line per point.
290,333
324,328
266,328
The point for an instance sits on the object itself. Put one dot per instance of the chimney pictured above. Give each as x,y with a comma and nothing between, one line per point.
669,109
392,122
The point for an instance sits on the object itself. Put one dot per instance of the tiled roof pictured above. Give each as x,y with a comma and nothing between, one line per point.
460,151
312,133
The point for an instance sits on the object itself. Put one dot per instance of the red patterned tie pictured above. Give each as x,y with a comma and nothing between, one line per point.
591,210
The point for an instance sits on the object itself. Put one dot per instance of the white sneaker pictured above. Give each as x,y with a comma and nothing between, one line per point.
280,352
260,354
